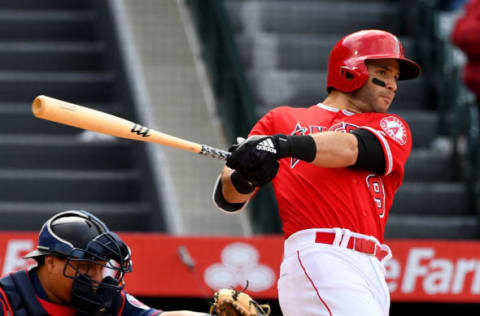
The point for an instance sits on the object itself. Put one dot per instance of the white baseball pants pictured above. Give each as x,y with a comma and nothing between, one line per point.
331,280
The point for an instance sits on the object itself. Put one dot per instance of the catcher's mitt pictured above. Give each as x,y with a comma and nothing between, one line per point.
227,302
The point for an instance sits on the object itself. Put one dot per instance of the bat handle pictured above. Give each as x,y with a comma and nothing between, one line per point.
214,152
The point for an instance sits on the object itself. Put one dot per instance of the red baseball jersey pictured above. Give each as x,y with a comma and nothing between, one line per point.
309,196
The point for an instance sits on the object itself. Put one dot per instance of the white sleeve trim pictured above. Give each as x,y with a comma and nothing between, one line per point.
221,209
385,145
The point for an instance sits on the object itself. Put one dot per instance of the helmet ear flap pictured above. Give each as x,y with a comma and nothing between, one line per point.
353,77
347,73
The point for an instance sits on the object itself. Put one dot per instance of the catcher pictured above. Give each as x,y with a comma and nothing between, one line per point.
73,255
75,251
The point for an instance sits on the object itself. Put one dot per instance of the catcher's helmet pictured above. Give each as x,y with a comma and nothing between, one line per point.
347,70
67,231
80,236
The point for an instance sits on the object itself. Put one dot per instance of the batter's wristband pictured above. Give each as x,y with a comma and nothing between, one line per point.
241,184
301,147
222,203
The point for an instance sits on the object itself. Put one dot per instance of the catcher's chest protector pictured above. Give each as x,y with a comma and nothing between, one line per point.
20,295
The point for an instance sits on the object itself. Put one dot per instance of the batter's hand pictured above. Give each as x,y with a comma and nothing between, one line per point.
255,158
257,150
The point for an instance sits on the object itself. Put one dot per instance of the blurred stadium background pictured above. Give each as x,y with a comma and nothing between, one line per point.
205,70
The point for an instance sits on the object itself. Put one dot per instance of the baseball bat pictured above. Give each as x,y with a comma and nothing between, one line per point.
59,111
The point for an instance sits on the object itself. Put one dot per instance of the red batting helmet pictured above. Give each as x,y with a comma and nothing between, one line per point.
347,70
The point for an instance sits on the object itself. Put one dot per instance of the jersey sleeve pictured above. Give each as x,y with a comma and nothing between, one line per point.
133,307
395,136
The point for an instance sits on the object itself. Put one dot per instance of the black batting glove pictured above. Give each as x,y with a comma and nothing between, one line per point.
241,184
253,151
258,167
257,150
256,158
261,174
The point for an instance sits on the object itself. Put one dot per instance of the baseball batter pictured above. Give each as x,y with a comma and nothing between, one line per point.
335,168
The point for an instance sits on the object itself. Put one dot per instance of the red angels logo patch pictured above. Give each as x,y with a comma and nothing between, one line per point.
395,129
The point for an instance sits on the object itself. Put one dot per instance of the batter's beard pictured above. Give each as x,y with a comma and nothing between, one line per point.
370,99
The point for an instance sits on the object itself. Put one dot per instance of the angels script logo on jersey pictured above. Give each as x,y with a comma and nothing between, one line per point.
395,129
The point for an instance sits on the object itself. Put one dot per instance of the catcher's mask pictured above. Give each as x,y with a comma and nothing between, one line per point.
347,70
86,243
